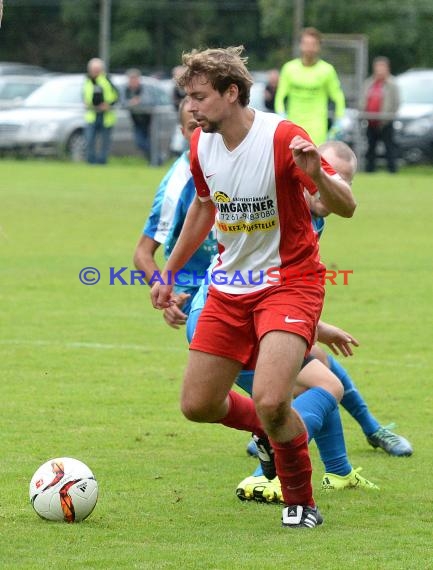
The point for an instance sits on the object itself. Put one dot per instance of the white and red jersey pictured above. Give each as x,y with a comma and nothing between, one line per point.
262,221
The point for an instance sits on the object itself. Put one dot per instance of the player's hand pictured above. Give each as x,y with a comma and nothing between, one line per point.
306,156
161,296
338,340
174,316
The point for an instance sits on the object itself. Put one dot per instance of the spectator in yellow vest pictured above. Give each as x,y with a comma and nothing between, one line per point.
99,97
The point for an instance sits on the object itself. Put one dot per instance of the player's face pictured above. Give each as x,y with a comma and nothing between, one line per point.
189,124
207,105
310,47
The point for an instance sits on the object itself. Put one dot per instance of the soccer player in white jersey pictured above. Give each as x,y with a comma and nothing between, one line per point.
250,170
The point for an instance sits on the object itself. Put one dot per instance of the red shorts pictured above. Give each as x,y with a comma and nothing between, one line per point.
232,325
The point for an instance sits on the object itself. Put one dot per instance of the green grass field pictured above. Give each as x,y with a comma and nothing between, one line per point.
93,372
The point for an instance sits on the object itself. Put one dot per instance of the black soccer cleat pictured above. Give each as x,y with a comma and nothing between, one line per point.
266,456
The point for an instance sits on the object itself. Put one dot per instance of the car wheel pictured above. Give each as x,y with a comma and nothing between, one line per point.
76,147
413,155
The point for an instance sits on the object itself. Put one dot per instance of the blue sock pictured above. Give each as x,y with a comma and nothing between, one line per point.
313,406
319,411
331,445
352,400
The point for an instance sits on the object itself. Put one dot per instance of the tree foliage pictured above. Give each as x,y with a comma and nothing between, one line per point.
152,34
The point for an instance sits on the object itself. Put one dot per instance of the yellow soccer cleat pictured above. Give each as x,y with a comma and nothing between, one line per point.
352,480
260,489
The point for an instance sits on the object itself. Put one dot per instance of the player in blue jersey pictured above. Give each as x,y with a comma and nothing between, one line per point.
344,161
164,224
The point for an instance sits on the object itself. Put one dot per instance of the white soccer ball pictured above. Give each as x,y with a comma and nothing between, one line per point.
63,489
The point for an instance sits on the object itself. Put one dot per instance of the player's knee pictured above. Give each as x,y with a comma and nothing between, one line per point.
335,387
272,411
196,411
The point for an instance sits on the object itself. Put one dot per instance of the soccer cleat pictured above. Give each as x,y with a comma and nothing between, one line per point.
390,442
301,517
352,480
265,454
252,448
260,489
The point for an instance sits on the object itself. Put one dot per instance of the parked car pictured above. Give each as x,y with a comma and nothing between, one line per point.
413,123
14,89
15,68
51,121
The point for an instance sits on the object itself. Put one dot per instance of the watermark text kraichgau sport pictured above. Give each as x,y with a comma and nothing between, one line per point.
183,278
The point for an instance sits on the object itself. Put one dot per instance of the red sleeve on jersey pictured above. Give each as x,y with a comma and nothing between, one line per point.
201,187
290,131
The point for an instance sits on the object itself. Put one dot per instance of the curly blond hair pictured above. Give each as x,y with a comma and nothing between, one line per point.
222,67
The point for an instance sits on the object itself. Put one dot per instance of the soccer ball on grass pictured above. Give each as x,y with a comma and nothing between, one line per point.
63,489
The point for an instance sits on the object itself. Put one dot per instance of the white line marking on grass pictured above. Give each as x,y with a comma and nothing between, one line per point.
94,345
143,348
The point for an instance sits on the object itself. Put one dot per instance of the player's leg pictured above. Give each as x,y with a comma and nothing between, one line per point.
223,340
279,360
206,385
372,139
353,401
317,404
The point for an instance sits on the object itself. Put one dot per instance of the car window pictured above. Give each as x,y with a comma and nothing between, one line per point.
57,94
257,96
12,91
154,95
417,89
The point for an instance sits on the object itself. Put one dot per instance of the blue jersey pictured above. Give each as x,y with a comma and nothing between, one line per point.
201,259
170,206
164,204
318,224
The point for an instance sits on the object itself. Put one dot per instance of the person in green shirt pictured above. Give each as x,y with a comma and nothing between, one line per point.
306,85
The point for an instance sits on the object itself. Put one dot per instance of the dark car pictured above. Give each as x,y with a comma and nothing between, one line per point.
414,123
51,121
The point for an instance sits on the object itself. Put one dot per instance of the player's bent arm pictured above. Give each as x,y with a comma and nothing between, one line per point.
315,205
144,257
282,92
335,193
336,94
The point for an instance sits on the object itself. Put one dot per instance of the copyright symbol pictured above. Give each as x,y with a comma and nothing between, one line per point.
89,276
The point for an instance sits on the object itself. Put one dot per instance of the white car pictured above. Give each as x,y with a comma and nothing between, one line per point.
51,121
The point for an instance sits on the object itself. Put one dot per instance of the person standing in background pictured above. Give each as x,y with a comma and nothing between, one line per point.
99,96
305,86
271,89
140,117
380,95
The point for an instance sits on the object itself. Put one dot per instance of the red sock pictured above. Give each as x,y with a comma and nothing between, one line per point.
293,465
242,415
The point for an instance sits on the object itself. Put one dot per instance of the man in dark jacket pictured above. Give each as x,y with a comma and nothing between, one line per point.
381,96
140,115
